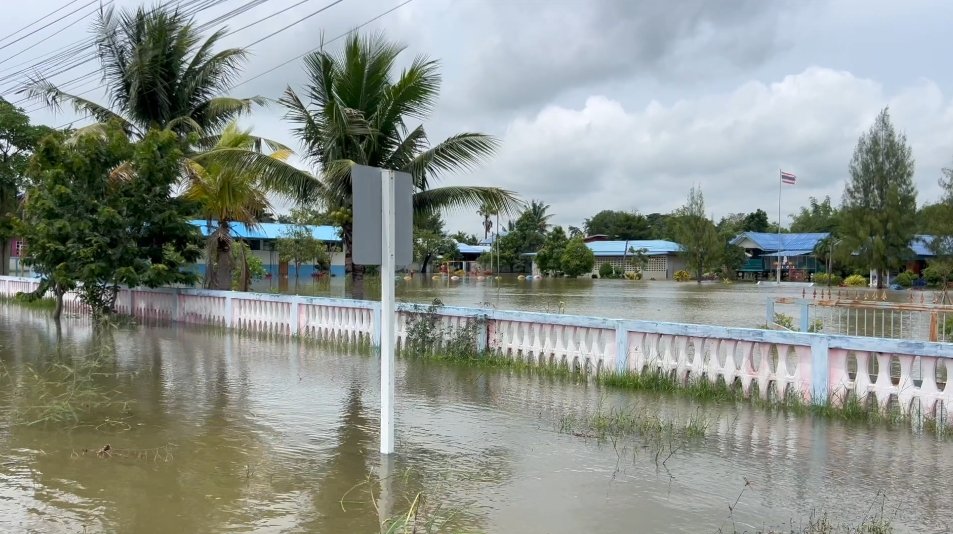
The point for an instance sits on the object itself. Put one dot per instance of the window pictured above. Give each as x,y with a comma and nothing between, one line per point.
254,244
657,264
18,248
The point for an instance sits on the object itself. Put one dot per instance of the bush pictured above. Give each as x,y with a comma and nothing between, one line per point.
682,276
934,274
822,279
905,279
632,276
606,270
855,280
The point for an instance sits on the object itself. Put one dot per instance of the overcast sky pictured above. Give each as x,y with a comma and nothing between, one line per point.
623,104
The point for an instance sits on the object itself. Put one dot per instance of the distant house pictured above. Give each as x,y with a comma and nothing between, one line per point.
663,258
261,240
795,252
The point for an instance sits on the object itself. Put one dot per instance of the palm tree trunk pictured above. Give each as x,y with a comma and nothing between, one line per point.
357,271
5,256
222,275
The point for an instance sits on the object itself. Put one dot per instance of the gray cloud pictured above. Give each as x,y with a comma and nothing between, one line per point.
604,155
536,51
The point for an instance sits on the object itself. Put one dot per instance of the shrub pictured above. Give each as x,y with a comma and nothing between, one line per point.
632,276
822,279
905,279
606,270
682,276
855,280
934,275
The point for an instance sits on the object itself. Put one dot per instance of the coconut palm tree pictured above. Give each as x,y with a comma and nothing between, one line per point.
487,212
353,110
226,195
159,72
539,215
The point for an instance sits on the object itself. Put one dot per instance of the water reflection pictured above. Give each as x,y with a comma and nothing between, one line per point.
278,436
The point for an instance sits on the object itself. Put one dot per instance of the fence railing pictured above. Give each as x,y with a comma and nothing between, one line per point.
920,316
909,376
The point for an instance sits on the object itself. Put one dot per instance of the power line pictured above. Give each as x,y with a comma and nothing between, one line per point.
352,30
68,55
51,13
54,34
299,21
248,6
276,67
17,40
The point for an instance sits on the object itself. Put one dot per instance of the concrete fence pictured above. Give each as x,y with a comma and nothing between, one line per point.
910,377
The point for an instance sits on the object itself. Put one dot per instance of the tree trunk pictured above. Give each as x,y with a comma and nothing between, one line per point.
58,309
297,275
880,278
357,271
423,265
5,256
222,275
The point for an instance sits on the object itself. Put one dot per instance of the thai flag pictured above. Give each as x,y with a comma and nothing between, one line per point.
788,178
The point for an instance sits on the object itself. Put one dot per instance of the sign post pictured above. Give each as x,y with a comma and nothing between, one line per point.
388,258
382,235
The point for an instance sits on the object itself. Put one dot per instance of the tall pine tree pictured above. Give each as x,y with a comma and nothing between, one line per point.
880,200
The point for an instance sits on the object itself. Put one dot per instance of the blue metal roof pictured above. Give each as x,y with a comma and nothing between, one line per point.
774,242
655,247
271,230
921,245
464,248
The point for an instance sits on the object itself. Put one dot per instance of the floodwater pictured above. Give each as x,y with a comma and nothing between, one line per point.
214,432
737,304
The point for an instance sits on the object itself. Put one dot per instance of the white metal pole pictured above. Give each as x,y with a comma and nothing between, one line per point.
780,184
388,241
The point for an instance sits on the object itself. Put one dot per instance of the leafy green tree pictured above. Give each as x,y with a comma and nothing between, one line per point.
940,226
638,258
880,199
577,258
702,247
100,214
18,139
465,238
298,245
431,241
549,258
254,267
660,226
356,111
756,221
575,231
308,215
621,225
816,217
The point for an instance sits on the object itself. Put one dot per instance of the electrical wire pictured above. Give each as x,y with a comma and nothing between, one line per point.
50,14
17,40
352,30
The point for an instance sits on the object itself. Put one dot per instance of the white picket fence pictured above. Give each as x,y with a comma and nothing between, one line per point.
910,377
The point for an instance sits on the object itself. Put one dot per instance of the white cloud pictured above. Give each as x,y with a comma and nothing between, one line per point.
606,156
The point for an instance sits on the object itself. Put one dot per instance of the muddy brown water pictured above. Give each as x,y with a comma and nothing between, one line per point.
217,432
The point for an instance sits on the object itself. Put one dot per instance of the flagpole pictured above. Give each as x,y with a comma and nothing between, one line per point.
780,185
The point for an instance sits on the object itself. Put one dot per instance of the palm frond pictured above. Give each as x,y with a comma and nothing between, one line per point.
459,152
43,90
459,197
274,175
